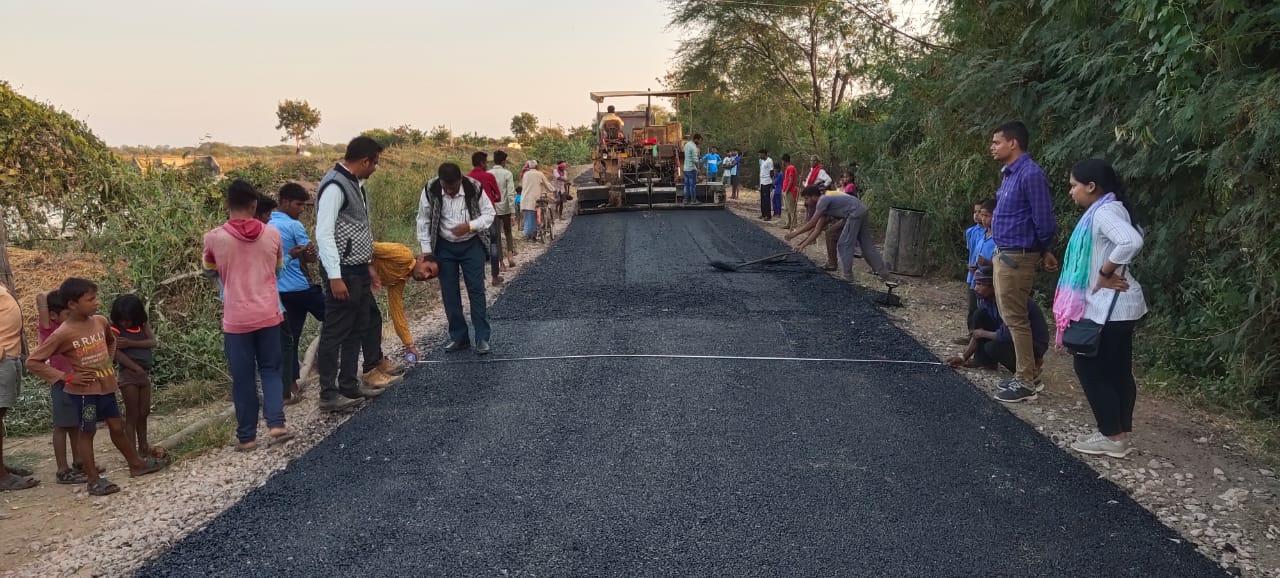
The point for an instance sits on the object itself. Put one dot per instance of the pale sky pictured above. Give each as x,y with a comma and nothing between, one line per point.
161,72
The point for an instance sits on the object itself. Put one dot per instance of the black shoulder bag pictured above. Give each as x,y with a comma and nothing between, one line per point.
1083,338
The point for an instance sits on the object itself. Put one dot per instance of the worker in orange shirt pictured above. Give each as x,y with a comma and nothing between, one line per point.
395,264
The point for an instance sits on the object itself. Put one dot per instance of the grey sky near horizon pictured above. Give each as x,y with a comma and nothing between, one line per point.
151,72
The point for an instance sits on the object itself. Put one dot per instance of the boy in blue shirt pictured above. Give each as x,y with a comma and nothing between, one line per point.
711,160
778,177
297,294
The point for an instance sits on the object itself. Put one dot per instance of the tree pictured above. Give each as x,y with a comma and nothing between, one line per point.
298,120
524,126
441,135
805,51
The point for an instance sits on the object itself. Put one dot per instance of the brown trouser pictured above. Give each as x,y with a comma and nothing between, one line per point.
792,219
1013,290
505,220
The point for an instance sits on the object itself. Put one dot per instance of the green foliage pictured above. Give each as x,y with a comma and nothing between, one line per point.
524,126
1179,94
297,119
55,175
550,145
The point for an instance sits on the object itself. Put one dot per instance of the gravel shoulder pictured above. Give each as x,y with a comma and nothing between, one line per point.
1191,468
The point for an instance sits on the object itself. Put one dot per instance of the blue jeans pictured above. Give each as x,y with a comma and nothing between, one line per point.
530,223
250,355
777,202
690,185
467,257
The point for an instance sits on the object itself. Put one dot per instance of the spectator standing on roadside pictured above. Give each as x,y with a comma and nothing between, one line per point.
299,296
480,173
790,194
52,311
245,254
86,341
730,166
11,384
711,160
345,240
1023,227
453,220
506,207
766,185
560,180
1096,285
691,157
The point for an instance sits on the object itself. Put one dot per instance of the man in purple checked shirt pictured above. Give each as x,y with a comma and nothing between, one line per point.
1023,228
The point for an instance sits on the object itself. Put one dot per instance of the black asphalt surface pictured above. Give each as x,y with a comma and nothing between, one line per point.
682,467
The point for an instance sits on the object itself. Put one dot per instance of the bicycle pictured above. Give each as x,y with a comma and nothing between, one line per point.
546,221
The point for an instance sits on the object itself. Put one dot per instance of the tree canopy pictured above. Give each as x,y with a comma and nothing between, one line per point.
298,120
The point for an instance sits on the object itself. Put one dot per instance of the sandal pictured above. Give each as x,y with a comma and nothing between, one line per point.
70,476
13,483
20,472
283,436
292,399
150,466
828,267
103,487
246,447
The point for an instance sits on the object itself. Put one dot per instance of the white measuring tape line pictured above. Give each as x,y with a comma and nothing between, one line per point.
674,356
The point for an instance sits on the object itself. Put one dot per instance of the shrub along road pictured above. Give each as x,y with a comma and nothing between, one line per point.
693,467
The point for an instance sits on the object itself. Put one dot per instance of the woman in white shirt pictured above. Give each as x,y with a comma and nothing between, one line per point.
1097,285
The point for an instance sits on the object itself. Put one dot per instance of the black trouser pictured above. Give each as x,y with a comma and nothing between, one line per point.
297,304
347,324
495,250
766,203
371,341
1108,379
991,352
288,355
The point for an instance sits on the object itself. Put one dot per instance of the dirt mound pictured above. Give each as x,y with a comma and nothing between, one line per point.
38,271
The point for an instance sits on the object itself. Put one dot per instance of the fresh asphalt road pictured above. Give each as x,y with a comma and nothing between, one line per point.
683,467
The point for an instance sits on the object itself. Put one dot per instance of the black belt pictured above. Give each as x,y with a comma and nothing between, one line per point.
1016,250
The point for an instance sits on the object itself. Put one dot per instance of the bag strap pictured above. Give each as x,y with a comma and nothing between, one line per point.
1114,299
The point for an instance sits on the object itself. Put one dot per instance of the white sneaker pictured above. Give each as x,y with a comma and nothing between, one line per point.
1083,438
1101,445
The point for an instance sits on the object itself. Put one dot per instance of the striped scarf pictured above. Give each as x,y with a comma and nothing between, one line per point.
1070,299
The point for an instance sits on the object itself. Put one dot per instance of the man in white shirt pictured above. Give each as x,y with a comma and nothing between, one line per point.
505,209
766,186
454,216
344,241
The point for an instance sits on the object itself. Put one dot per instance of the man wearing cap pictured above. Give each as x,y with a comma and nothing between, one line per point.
990,341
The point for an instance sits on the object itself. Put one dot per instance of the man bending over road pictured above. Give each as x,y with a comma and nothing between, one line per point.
849,210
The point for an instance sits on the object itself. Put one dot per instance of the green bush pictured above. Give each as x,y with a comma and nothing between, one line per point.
1179,95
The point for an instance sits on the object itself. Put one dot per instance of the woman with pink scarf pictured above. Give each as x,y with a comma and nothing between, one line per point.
1096,285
